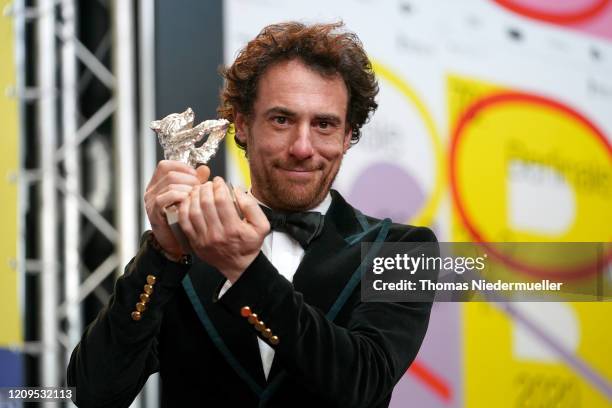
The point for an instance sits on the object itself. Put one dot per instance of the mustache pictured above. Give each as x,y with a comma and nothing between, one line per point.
299,166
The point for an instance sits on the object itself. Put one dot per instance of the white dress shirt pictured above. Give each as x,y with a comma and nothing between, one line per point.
285,253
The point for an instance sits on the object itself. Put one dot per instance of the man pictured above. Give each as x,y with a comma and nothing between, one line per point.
263,317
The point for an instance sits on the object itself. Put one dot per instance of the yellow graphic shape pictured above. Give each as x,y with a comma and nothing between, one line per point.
529,134
494,374
10,323
235,159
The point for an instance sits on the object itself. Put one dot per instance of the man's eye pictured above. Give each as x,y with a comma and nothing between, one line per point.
323,125
281,120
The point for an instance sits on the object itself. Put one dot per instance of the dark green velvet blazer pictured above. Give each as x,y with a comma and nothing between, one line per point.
334,350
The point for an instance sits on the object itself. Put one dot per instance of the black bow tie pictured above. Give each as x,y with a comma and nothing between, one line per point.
304,227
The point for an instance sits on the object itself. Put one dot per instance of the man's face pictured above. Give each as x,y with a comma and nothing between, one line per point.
296,135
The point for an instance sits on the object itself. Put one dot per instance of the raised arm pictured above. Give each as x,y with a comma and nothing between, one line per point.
118,350
355,364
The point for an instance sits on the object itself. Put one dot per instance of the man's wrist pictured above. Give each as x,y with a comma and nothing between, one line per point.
233,274
184,259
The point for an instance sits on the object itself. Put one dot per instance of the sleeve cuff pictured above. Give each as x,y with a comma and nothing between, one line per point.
150,261
149,280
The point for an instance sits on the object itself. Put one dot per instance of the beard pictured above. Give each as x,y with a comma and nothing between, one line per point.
285,194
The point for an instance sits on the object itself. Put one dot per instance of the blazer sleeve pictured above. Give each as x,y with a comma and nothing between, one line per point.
354,366
117,354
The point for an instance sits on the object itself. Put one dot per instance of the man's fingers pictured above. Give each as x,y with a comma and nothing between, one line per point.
152,198
252,212
172,178
168,198
225,205
166,166
184,217
178,187
177,177
214,227
195,215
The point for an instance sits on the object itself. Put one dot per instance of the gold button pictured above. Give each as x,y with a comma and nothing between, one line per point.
267,333
274,340
260,326
151,279
148,289
144,298
245,311
136,316
141,307
253,318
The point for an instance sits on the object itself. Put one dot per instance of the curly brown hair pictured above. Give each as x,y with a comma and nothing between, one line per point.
322,47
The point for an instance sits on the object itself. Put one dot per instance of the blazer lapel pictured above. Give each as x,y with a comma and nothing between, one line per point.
329,261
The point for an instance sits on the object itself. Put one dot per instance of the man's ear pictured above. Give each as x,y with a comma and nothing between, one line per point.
347,139
241,127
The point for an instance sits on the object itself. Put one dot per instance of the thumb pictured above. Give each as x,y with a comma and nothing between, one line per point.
252,213
203,173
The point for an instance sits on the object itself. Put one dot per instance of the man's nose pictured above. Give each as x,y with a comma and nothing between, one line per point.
301,144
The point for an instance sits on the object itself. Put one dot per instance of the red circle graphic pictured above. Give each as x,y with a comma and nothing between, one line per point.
468,115
564,18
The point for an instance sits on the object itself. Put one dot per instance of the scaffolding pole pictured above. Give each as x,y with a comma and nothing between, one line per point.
74,324
148,140
47,137
124,135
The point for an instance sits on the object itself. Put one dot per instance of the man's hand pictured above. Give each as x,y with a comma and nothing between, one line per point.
172,183
215,231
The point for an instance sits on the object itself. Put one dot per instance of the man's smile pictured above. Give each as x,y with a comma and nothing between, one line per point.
298,173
